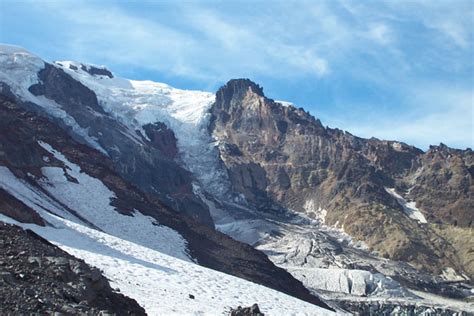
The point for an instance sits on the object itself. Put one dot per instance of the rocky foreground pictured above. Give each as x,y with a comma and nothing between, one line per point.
36,276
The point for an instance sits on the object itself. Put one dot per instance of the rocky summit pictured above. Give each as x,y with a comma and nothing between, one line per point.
190,202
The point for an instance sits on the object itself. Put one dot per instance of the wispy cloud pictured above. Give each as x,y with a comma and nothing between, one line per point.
206,43
439,114
380,33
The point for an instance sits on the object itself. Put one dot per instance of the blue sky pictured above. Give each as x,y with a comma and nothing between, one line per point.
394,70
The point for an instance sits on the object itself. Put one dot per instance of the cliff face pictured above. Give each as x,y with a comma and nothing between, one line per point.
281,157
443,185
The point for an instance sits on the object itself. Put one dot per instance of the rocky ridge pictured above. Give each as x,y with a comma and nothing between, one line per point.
282,157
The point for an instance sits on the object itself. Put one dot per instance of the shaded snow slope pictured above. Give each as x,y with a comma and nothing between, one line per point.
88,202
19,68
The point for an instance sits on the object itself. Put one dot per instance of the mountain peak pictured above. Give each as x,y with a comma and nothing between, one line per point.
239,87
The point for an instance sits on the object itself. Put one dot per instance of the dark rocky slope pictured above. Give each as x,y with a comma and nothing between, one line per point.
38,277
443,184
16,209
20,132
282,157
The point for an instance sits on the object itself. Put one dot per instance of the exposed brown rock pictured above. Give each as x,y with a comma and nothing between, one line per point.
443,185
281,157
162,138
17,210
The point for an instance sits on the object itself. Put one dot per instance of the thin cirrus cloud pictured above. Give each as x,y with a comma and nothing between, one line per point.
437,118
380,33
199,52
394,70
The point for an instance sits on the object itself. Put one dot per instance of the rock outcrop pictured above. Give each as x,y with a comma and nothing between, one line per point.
17,210
253,310
442,185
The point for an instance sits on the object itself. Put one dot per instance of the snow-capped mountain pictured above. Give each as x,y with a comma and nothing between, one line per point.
147,182
72,194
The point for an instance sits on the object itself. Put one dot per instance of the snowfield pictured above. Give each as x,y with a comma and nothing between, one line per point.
162,283
134,104
409,208
144,260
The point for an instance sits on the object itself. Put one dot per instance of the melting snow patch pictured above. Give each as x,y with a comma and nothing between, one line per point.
32,197
318,213
284,103
91,199
449,274
408,207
